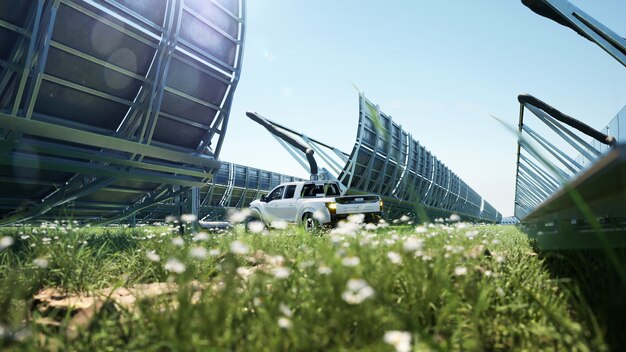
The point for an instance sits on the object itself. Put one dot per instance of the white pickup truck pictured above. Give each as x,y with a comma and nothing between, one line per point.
313,204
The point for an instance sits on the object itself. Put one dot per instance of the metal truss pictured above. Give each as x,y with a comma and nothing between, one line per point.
564,13
388,161
106,105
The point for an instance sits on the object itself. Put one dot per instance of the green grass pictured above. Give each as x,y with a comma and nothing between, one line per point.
453,288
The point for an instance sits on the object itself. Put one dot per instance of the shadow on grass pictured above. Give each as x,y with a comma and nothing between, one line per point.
596,285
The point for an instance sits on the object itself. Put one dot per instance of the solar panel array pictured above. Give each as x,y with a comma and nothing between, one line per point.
110,106
387,160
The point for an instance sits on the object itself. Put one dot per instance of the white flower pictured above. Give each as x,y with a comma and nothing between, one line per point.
278,224
198,252
6,242
281,272
41,262
356,218
214,252
188,218
239,247
178,241
370,227
285,310
200,236
413,244
357,291
236,217
499,259
400,340
25,237
324,270
500,292
394,257
174,265
460,271
284,323
171,218
421,229
152,256
351,261
454,218
319,215
256,226
404,218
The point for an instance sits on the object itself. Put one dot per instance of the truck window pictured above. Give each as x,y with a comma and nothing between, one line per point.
332,189
290,191
276,194
312,190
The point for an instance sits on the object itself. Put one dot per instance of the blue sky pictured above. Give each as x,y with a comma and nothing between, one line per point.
439,68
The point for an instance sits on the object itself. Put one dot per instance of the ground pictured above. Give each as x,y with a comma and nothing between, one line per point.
444,286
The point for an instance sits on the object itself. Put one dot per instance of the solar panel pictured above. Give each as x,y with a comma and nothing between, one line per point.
107,106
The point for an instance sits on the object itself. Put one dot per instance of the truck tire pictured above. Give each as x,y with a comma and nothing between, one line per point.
310,224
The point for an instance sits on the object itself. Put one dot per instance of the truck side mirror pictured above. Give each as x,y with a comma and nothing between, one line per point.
263,199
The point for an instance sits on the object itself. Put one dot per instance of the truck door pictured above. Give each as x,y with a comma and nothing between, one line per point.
273,200
286,207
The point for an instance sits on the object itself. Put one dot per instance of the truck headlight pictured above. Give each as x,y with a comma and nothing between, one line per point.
380,202
332,207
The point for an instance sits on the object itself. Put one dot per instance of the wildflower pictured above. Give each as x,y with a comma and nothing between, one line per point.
41,262
351,261
198,252
471,234
174,265
356,218
370,227
25,237
307,264
413,244
188,218
171,218
454,218
357,291
400,340
285,310
281,272
152,256
319,215
324,270
214,252
6,242
284,323
279,224
239,247
200,236
178,241
421,229
394,257
240,216
256,226
404,218
460,271
499,259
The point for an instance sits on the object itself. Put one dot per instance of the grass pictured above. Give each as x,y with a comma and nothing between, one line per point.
447,287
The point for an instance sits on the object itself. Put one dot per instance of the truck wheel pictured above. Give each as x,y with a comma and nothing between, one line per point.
310,224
